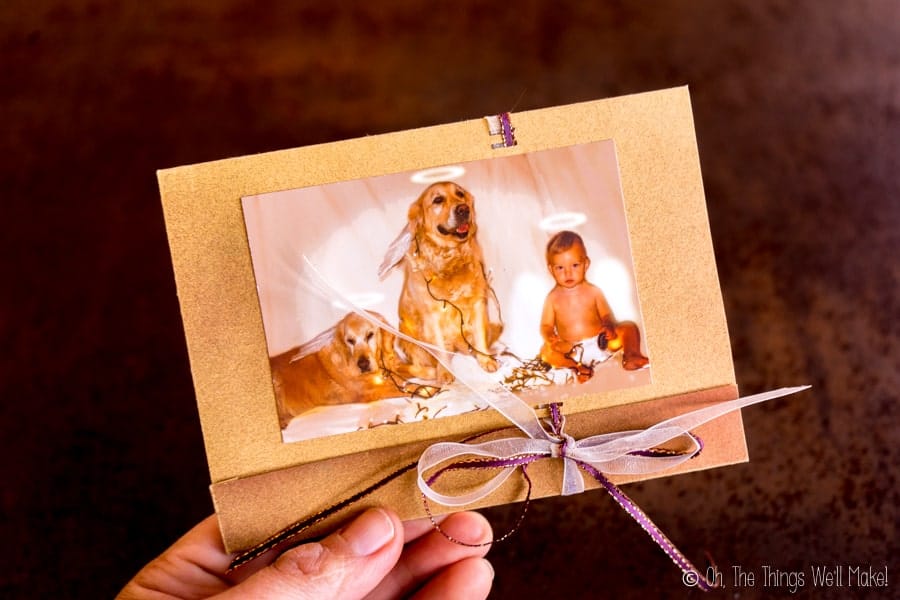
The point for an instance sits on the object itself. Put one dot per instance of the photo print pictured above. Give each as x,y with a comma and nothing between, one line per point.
396,299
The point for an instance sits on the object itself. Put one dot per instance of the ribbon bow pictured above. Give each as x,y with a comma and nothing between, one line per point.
634,452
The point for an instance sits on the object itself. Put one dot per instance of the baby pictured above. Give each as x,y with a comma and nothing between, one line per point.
577,324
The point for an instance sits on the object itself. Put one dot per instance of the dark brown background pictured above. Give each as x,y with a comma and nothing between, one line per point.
797,109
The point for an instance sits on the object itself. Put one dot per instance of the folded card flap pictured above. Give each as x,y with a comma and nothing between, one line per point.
251,509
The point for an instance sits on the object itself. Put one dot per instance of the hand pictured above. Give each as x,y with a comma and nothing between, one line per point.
374,556
606,334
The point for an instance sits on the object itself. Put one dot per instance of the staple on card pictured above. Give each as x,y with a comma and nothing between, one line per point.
502,126
547,406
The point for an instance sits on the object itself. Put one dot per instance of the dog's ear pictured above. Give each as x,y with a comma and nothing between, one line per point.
414,215
341,332
395,252
315,344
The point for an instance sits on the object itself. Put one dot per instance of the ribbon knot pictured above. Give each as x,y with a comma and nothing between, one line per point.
559,448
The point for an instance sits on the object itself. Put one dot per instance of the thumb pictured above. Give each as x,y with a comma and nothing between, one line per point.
349,563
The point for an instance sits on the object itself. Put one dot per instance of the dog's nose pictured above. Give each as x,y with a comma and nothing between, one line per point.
364,364
461,212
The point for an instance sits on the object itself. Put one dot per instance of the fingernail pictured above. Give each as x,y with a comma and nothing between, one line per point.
489,567
369,532
469,528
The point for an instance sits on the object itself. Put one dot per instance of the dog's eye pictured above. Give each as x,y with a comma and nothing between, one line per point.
438,200
351,341
370,335
460,193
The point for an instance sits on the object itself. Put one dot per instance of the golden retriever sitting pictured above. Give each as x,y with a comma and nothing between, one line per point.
341,365
445,294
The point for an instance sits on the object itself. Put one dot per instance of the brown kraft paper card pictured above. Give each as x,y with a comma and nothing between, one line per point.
303,274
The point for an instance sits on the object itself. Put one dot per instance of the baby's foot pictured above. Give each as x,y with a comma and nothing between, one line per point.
633,363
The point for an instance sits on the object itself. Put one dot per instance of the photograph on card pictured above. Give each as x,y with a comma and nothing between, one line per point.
406,297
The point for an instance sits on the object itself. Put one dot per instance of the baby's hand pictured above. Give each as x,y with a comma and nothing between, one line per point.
609,330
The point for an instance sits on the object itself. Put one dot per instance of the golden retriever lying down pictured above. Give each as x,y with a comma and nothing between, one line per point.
341,365
445,295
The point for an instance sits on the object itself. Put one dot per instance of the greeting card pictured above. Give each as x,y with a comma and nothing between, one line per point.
535,289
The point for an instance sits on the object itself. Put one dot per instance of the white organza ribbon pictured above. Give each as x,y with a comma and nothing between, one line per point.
609,453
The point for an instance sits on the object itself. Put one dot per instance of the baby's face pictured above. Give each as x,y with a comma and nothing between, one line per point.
568,267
